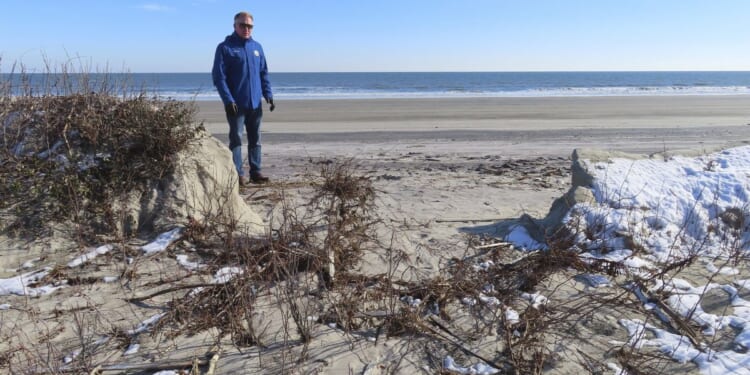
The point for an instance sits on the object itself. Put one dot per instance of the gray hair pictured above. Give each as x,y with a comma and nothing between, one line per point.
242,15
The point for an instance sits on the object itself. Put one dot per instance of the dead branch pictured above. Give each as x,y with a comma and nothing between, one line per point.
459,345
673,320
157,366
469,220
169,290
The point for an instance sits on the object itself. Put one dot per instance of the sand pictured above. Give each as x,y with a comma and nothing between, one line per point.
442,168
514,126
448,168
433,140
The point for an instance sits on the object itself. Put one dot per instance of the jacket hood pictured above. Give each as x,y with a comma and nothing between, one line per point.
234,38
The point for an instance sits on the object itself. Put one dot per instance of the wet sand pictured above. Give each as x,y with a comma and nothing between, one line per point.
520,126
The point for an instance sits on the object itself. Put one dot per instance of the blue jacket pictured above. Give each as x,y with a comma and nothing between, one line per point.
240,72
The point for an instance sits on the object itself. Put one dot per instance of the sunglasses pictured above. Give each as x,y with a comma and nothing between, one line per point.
245,26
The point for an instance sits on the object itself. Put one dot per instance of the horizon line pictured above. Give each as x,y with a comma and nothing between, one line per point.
407,71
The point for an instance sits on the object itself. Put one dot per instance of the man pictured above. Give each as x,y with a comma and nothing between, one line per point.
240,75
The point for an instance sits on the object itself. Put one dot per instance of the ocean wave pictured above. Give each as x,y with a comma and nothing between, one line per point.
199,86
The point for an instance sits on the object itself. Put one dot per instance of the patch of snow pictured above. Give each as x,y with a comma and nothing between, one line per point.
145,325
163,241
226,274
521,238
476,369
192,266
132,349
682,350
536,299
19,285
93,253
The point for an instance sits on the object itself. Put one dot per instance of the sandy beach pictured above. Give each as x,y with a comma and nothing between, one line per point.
507,187
449,176
451,169
431,156
514,126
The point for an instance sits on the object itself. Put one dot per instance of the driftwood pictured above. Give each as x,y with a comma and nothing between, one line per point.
468,220
193,364
212,363
496,244
155,366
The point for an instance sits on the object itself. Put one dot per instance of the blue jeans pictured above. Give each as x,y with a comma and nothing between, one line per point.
251,119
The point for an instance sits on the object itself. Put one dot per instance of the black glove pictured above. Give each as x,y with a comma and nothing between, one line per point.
273,106
231,109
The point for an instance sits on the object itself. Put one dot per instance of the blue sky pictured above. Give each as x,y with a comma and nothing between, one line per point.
383,35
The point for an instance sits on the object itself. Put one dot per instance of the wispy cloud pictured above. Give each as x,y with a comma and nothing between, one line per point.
152,7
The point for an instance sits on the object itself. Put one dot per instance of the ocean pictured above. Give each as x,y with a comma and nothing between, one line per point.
198,86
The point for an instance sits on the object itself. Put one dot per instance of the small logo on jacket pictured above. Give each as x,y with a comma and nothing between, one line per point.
257,53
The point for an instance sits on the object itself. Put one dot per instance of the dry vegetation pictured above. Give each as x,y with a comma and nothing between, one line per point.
66,157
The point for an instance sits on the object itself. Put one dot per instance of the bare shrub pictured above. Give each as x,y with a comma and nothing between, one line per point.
94,146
